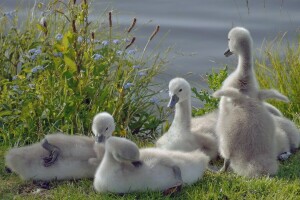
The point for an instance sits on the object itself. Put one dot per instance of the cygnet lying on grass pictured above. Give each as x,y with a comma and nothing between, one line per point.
125,168
290,130
61,156
246,133
179,136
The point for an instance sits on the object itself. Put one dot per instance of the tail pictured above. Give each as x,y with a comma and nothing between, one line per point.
271,94
14,161
229,92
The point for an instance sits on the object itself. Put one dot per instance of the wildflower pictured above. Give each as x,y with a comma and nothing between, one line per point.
59,37
136,66
154,100
31,86
131,52
142,73
128,85
97,56
126,40
37,69
15,88
58,54
119,52
34,52
79,39
15,77
10,15
116,41
105,43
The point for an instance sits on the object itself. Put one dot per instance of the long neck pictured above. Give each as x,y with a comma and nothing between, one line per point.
182,118
245,63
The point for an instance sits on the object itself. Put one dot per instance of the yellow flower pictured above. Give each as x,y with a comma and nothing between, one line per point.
123,132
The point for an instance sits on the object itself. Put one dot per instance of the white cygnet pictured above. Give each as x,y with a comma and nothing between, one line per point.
125,168
179,136
62,157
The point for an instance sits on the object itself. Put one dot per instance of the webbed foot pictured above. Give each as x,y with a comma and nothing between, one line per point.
284,156
42,184
173,190
54,152
294,150
8,170
225,166
137,163
177,187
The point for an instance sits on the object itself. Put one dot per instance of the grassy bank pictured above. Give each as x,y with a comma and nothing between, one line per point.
285,185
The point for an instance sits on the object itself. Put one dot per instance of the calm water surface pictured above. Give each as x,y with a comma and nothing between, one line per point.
197,29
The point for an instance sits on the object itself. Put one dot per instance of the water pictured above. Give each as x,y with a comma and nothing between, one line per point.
197,29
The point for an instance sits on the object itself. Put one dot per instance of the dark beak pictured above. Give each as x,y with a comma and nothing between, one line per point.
174,99
100,138
228,53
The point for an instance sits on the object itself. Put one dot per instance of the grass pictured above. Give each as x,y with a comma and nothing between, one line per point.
285,185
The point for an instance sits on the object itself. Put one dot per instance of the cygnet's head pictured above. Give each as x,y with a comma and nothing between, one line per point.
103,126
123,150
179,91
239,41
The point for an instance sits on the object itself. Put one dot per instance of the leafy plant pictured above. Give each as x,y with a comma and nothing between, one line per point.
57,77
214,81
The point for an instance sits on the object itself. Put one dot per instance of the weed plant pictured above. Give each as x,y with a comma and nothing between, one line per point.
214,81
58,69
279,69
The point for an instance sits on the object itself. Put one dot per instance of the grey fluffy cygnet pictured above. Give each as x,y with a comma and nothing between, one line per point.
62,157
125,168
179,136
246,133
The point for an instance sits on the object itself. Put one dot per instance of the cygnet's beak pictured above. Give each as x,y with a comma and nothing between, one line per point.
228,53
100,138
174,99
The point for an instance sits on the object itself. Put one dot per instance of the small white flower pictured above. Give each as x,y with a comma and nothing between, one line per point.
142,73
136,66
59,37
105,43
79,39
31,86
37,69
116,41
131,52
97,56
128,85
119,52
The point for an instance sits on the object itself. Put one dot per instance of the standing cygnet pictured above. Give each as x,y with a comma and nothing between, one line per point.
243,78
179,136
60,156
125,168
246,133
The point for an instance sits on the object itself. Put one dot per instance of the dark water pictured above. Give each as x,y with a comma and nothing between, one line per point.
197,29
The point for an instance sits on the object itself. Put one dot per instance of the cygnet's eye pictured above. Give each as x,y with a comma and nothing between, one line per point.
179,90
106,128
